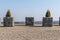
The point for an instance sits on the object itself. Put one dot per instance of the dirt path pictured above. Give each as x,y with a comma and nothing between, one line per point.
30,33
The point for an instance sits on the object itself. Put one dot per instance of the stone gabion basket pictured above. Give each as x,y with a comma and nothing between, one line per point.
47,21
29,21
8,21
0,21
59,21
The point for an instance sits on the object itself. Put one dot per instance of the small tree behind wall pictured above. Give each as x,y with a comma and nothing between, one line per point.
8,20
47,20
8,14
48,14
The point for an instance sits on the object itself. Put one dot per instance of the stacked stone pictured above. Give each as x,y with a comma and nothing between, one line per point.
29,21
47,21
0,21
59,21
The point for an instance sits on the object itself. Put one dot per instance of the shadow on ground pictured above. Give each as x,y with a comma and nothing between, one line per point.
33,26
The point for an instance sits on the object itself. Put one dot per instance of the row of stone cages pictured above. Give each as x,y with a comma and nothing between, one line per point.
47,20
29,21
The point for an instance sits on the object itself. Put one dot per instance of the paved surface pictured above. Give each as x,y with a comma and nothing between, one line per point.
30,33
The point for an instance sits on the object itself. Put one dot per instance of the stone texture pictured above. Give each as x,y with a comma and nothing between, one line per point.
0,21
29,21
47,21
59,21
8,21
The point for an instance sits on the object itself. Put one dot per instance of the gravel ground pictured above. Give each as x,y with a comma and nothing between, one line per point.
30,33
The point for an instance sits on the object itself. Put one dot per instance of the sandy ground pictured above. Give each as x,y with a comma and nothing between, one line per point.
30,33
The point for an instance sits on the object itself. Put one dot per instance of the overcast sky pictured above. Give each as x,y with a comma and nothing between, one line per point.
30,8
